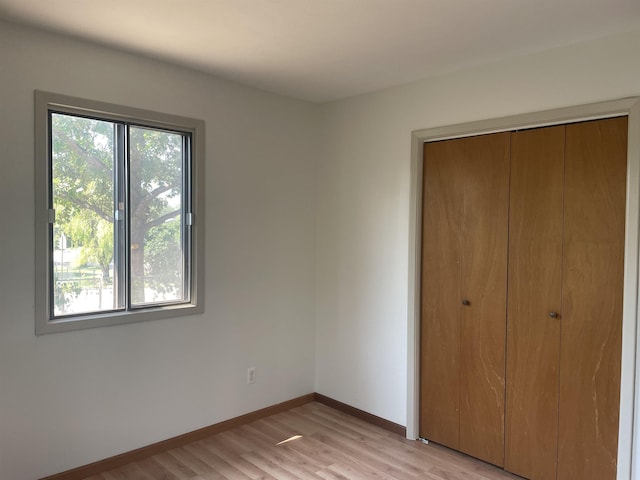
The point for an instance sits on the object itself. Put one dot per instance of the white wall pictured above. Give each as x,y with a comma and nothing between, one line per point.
72,398
363,200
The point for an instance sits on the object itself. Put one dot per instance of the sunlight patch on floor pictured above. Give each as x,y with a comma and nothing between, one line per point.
290,439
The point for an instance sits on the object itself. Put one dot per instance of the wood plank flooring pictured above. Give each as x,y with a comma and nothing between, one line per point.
312,442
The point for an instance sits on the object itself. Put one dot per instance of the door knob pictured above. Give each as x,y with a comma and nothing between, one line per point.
466,302
553,314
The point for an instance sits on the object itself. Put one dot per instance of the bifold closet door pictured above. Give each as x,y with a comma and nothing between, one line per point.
483,286
534,304
561,212
592,288
440,297
463,300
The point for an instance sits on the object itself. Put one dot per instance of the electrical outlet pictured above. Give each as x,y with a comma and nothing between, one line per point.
251,375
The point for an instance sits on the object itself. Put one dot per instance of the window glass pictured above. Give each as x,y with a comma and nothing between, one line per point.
157,242
82,172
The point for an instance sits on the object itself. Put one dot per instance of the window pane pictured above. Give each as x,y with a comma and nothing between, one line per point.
156,216
82,163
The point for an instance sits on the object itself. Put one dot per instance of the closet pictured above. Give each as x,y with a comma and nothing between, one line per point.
521,302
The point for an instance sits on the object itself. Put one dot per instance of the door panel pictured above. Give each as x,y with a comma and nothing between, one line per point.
484,283
440,299
535,268
596,154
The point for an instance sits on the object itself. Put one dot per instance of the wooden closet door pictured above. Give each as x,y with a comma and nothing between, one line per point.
483,285
592,287
534,296
440,297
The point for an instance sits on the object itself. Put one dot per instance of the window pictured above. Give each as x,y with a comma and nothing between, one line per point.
118,211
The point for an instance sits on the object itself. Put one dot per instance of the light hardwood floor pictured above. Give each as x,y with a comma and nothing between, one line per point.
308,442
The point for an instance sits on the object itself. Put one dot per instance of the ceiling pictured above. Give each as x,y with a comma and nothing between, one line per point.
323,50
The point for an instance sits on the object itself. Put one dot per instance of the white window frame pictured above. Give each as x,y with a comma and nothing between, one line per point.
46,102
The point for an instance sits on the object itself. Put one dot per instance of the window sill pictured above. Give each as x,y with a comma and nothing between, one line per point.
95,320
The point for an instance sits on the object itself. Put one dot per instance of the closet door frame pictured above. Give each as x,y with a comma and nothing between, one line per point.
629,420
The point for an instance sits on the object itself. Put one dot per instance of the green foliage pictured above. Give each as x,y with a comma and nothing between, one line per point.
64,292
95,237
163,260
83,152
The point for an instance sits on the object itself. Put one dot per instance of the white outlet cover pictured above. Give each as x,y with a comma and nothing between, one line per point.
251,375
